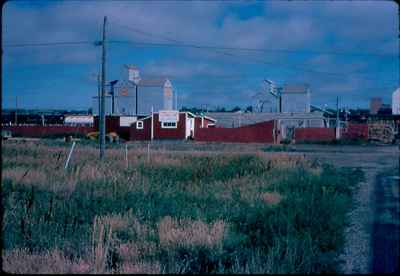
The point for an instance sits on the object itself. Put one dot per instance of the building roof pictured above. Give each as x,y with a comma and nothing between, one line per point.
295,88
180,112
206,117
77,119
226,119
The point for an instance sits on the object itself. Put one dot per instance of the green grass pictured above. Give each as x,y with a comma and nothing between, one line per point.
152,208
337,142
279,148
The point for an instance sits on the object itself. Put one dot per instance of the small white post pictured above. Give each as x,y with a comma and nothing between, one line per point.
126,155
69,155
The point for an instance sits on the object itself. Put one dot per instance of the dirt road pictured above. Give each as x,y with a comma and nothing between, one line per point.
372,237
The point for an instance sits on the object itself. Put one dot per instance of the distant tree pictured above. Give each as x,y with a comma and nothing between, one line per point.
249,109
235,109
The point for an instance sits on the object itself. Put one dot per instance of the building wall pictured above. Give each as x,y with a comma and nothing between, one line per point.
170,133
314,134
197,123
141,134
37,131
125,104
295,102
113,125
256,133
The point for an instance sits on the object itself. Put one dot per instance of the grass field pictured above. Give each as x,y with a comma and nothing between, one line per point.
177,212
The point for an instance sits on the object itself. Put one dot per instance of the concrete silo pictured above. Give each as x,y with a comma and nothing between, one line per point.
396,102
168,95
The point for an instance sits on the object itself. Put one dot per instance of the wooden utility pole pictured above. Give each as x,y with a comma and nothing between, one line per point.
337,119
98,94
102,117
16,109
136,98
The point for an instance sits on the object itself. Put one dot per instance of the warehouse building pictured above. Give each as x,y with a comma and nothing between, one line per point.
169,125
287,121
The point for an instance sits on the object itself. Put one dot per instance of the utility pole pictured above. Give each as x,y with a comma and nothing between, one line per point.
337,119
102,118
176,100
16,109
136,95
99,94
398,80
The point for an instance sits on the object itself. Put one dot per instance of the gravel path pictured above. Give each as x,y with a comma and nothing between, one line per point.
357,255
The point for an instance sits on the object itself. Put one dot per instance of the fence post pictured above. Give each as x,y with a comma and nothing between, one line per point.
69,155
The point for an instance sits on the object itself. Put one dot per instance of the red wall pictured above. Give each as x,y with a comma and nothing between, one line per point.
197,123
355,131
159,133
256,133
314,134
40,131
141,134
112,125
170,133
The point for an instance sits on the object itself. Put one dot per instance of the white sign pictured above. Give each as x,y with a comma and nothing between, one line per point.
126,121
168,116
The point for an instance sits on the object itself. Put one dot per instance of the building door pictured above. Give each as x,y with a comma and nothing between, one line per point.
189,127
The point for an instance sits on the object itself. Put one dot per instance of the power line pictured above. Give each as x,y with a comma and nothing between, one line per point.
197,46
40,44
218,50
287,51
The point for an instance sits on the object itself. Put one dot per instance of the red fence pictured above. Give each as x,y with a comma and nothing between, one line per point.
43,131
351,132
355,131
256,133
314,134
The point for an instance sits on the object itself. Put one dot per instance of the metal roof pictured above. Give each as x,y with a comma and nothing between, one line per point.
226,119
295,88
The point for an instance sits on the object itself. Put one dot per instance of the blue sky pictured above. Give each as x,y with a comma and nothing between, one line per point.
63,76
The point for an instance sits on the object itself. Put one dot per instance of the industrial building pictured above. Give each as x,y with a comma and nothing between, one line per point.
134,95
396,102
295,98
287,121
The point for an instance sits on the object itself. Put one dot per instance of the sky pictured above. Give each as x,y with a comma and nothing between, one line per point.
347,49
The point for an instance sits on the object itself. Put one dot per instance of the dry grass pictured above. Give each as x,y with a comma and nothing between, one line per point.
180,212
187,233
141,268
20,261
273,198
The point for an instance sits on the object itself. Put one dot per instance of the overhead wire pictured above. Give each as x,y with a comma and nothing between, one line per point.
218,50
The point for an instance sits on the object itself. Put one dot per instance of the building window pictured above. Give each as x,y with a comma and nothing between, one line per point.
139,125
168,124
